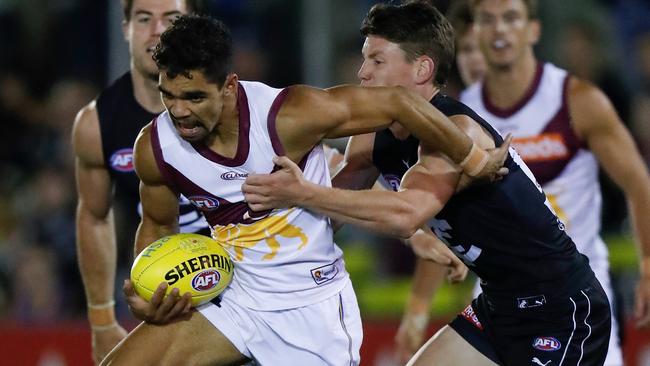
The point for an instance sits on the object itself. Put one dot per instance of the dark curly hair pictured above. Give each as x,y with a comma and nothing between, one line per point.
195,42
418,28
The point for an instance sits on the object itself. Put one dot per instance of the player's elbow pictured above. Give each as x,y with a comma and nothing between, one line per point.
405,222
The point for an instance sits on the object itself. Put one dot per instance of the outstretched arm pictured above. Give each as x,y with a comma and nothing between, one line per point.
597,123
96,247
425,188
308,115
397,214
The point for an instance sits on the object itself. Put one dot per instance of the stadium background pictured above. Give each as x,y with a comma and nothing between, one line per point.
57,55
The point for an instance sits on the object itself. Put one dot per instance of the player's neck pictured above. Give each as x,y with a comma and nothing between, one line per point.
506,86
225,136
146,92
428,91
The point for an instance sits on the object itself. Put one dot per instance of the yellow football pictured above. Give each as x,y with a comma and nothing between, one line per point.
190,262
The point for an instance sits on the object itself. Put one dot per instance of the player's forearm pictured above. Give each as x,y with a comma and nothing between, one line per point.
434,130
149,231
384,212
351,178
427,278
97,254
639,208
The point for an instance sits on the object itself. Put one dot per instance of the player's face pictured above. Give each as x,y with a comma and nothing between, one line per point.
505,33
149,18
385,64
194,104
470,60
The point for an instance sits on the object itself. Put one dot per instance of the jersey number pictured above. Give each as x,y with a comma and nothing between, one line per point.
468,253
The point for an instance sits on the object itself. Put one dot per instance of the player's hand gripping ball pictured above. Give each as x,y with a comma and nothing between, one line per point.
190,262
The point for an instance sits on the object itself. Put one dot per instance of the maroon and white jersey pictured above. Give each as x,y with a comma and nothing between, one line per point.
283,258
543,136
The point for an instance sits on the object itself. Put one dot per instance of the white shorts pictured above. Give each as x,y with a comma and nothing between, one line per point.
601,270
325,333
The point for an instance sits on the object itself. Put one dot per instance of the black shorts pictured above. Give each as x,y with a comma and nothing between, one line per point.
535,330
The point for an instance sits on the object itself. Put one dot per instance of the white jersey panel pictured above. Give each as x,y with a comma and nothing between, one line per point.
284,258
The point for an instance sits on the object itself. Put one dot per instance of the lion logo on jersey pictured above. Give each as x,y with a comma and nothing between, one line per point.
238,237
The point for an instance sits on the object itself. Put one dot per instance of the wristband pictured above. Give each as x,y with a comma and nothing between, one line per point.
100,328
101,315
475,161
419,321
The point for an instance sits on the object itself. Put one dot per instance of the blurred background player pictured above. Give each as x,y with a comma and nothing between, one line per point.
563,128
470,62
103,137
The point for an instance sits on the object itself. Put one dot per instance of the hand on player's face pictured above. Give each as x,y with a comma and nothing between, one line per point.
283,188
161,309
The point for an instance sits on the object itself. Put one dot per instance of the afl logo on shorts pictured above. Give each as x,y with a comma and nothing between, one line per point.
548,344
204,203
206,280
122,160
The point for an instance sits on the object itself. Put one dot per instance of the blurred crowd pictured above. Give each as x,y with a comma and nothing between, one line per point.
55,61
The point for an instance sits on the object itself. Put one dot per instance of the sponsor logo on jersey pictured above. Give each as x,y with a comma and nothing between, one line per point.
122,160
543,147
531,301
206,280
325,273
548,344
470,315
232,175
204,203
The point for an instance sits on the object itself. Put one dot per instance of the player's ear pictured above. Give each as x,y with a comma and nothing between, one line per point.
425,67
230,84
534,31
125,30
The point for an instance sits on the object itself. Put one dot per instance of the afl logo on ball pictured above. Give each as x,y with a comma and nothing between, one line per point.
204,203
206,280
122,160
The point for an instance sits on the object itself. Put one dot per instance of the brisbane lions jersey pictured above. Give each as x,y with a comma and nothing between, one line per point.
543,136
284,258
120,120
504,231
